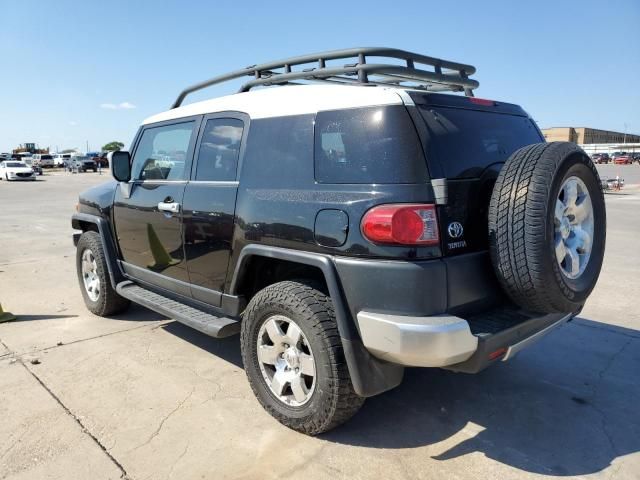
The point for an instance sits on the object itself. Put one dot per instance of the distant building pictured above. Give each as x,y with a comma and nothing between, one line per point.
583,135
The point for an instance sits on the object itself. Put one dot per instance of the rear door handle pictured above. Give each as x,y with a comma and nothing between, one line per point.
172,207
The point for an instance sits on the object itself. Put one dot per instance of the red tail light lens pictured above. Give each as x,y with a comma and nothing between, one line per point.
401,224
482,101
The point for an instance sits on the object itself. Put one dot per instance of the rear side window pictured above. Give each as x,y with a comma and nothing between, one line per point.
465,142
368,145
278,152
219,150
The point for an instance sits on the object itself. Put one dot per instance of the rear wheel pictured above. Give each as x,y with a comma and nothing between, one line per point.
547,227
93,276
292,354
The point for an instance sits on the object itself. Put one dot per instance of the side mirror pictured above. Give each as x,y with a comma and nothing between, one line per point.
120,166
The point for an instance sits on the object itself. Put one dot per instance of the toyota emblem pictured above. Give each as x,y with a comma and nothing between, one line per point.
455,230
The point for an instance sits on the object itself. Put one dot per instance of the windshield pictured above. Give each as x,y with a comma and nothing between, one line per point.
16,164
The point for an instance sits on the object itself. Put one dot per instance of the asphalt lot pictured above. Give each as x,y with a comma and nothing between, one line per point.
140,396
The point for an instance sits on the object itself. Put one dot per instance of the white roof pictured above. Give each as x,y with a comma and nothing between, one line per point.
289,100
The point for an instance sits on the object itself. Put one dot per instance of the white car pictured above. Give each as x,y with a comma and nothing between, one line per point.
12,170
61,159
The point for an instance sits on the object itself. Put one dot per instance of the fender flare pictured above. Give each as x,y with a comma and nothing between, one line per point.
369,375
104,230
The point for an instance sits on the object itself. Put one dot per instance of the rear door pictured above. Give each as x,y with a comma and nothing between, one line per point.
210,202
467,142
148,212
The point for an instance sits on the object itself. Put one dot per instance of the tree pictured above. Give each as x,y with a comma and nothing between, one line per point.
112,146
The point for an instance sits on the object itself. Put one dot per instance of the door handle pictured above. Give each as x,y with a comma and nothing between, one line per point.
172,207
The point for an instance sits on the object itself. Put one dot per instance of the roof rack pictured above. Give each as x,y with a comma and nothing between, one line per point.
445,75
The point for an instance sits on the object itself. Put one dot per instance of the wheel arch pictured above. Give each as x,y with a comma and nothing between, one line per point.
87,222
370,376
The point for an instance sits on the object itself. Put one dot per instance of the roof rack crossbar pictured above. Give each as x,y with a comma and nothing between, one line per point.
445,75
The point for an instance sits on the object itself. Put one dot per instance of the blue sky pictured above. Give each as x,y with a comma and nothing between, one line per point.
78,71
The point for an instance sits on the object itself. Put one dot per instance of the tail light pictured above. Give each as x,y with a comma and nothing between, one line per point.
482,101
401,224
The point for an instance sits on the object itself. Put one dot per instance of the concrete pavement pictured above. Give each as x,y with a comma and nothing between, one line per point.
141,396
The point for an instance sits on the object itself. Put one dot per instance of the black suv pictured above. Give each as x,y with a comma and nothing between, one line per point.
346,229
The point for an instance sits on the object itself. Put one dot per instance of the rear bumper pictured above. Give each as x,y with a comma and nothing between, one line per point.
447,312
446,340
417,341
505,344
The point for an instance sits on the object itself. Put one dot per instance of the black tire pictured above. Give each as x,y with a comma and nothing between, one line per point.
108,301
333,400
522,232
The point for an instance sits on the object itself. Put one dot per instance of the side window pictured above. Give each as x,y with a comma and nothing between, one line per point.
219,150
162,152
368,145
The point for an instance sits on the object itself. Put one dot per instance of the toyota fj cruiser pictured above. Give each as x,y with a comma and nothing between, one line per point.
348,227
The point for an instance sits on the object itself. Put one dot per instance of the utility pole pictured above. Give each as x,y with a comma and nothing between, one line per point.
87,151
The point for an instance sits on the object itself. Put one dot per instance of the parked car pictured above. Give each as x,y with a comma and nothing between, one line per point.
28,161
61,159
612,183
600,157
81,163
623,159
43,160
636,157
102,160
309,219
12,170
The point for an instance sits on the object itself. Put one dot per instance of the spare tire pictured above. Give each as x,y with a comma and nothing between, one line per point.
547,227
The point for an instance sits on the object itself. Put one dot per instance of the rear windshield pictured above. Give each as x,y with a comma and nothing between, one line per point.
368,145
46,157
465,142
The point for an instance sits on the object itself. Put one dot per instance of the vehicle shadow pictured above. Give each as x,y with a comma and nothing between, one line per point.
226,348
31,318
137,313
566,406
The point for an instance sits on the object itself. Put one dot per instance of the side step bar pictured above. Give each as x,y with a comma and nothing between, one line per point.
218,327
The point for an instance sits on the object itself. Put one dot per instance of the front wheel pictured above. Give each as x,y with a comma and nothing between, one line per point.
93,275
293,357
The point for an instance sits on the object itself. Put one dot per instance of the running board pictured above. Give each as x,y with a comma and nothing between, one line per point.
218,327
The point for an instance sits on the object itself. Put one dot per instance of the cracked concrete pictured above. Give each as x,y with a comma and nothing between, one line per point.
38,439
143,397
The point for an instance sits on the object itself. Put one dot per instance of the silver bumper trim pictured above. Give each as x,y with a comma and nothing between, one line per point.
434,341
516,347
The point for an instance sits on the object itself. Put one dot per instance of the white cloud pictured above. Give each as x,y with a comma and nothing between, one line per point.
117,106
